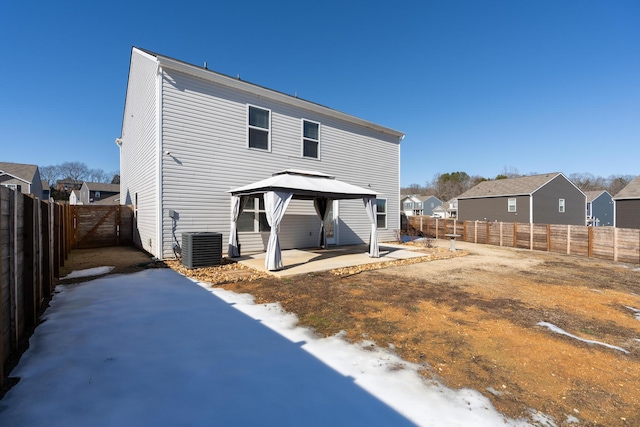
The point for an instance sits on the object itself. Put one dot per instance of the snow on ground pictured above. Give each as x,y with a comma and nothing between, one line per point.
561,331
636,311
155,348
96,271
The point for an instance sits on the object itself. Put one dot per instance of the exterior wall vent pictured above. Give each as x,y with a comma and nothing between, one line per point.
202,249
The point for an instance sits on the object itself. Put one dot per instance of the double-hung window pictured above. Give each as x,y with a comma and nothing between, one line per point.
310,139
381,213
253,217
511,205
561,205
259,123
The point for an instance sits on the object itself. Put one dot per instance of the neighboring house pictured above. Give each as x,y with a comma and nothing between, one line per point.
541,199
93,192
446,210
67,184
429,203
627,205
411,205
21,177
599,208
74,197
46,191
190,134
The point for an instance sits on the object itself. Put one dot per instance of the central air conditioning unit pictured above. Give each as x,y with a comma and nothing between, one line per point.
202,249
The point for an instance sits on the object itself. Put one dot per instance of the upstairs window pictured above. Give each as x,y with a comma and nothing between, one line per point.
310,139
97,195
511,205
259,122
561,205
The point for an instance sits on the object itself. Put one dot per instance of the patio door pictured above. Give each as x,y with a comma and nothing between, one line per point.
331,224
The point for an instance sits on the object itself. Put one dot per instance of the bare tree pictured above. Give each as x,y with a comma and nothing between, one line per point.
50,174
618,182
76,171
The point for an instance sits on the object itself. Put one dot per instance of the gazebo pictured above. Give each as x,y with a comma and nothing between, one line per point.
278,191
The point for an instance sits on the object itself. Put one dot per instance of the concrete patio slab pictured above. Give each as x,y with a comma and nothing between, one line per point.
304,261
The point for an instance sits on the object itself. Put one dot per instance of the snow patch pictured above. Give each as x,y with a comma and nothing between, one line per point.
561,331
636,311
96,271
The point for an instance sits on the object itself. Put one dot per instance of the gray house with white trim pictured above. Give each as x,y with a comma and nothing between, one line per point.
541,199
627,205
599,208
190,134
22,177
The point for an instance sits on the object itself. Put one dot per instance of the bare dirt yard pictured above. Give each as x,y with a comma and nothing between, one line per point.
473,322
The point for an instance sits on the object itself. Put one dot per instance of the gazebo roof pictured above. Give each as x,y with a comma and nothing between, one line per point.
305,185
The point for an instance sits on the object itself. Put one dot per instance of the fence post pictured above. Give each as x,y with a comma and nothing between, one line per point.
436,228
590,242
464,231
487,240
530,236
475,232
568,240
455,223
515,234
548,237
421,224
500,233
615,244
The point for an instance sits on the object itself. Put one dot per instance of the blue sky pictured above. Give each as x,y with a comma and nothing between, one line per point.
476,86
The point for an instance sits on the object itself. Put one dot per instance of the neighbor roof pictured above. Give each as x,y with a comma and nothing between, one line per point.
592,195
631,191
236,83
18,170
101,186
524,185
305,185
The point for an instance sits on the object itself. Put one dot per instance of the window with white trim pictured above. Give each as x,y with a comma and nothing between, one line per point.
561,205
381,213
259,126
310,139
253,217
511,205
97,194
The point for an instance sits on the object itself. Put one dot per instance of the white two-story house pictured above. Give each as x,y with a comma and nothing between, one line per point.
190,134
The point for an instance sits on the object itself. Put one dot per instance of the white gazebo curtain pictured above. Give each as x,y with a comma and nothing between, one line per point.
275,205
371,208
237,206
322,205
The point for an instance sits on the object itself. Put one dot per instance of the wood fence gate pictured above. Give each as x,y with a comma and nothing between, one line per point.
100,226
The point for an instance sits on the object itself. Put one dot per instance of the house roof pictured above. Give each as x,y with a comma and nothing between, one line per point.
305,185
20,171
592,195
101,186
521,186
631,191
111,200
424,198
236,83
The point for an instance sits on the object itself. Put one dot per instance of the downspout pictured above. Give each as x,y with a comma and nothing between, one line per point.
159,205
530,208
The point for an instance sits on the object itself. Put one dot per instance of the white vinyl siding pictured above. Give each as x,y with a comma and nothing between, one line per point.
138,155
204,126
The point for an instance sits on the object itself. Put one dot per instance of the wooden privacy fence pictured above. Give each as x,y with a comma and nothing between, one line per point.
32,250
92,226
610,243
35,240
